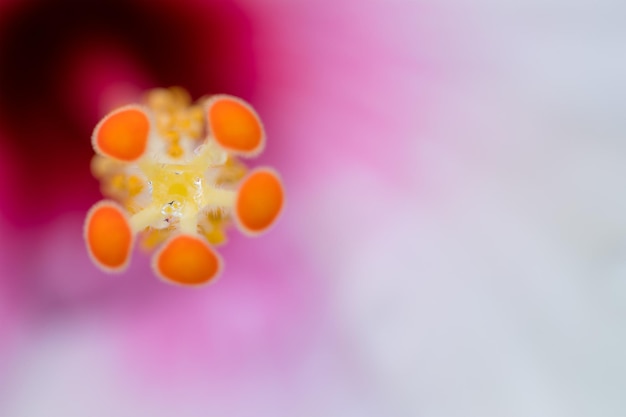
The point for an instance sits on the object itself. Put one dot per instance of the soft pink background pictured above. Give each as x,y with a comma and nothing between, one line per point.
453,242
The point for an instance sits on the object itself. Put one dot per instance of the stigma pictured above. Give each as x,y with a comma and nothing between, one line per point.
173,181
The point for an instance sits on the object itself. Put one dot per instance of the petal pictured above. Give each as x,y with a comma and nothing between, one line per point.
108,236
235,125
122,134
187,260
260,200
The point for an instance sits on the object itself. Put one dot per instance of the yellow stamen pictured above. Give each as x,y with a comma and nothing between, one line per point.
215,235
154,237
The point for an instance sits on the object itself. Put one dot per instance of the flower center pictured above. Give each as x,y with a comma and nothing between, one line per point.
172,168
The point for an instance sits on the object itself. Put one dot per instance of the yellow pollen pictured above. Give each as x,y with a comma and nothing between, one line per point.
178,189
175,150
171,136
118,182
135,185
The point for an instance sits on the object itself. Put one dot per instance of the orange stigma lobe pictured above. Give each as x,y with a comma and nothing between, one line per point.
187,260
259,201
122,134
109,236
235,125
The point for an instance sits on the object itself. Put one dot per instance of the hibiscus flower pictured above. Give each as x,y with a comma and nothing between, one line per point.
448,247
266,330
